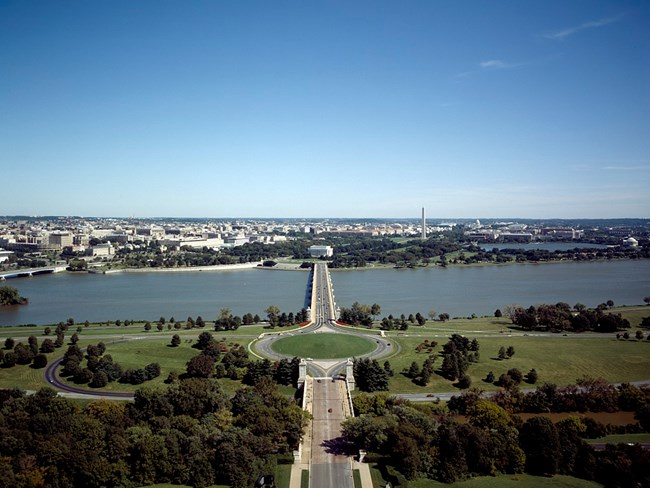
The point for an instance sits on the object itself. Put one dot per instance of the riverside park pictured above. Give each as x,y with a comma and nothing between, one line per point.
325,346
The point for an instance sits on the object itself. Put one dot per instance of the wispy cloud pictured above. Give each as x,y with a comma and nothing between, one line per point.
592,24
490,64
494,64
641,167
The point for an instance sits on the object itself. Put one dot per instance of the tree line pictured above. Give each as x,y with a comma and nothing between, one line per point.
191,433
422,440
561,317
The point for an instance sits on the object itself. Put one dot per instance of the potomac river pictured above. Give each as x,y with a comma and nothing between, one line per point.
456,290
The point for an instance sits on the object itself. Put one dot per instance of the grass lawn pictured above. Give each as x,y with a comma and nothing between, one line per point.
323,346
134,329
557,359
381,475
133,354
510,481
633,313
618,438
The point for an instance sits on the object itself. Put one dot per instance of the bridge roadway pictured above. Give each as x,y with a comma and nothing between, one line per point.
17,273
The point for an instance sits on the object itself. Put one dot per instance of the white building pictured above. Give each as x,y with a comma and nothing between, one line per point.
320,251
4,255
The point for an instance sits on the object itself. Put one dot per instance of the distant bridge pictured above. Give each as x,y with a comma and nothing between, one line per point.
20,273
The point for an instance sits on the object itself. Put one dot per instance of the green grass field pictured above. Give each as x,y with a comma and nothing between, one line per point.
133,354
557,359
323,346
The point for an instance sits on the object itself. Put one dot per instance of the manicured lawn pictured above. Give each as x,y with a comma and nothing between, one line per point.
557,359
323,346
133,354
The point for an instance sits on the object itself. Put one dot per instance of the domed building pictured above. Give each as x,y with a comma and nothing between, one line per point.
630,242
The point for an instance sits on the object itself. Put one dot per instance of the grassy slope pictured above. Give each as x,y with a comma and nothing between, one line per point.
557,359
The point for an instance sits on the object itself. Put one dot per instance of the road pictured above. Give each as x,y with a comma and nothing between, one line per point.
330,464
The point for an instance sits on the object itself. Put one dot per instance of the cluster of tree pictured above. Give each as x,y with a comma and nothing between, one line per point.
140,375
216,360
10,296
420,442
586,395
370,376
512,378
20,353
356,254
282,372
77,265
457,354
151,255
402,323
421,376
476,254
277,318
360,314
426,345
189,434
560,317
505,353
28,262
256,251
638,335
100,369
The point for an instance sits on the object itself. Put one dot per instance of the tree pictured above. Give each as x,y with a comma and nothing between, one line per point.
47,346
432,314
646,300
159,327
540,441
497,313
510,351
176,340
464,382
47,331
9,343
201,366
205,338
10,359
375,309
40,361
645,322
531,376
272,312
443,317
502,352
489,378
147,326
99,380
9,296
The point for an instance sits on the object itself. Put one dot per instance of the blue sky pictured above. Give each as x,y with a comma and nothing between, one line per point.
325,109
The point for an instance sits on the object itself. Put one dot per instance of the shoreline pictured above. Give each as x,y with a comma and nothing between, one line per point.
216,267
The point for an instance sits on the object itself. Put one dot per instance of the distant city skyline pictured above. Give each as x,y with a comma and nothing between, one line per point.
343,109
